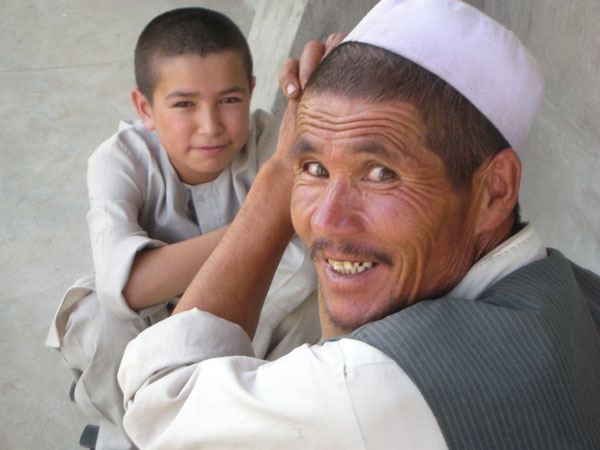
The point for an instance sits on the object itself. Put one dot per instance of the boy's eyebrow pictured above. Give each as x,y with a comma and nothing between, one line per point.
231,90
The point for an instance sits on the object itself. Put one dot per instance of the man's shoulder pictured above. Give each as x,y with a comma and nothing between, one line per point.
535,302
550,276
515,342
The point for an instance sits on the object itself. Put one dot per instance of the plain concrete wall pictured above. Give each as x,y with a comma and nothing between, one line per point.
281,29
560,190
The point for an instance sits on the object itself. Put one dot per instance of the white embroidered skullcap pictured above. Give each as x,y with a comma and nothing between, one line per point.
482,60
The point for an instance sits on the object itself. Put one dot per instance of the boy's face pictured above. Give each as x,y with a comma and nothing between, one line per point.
200,111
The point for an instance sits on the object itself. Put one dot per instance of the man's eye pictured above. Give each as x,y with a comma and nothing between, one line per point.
380,173
315,169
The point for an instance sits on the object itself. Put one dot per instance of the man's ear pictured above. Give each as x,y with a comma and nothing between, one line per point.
143,107
498,184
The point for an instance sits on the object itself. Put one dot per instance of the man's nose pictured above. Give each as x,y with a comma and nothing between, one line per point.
339,211
209,121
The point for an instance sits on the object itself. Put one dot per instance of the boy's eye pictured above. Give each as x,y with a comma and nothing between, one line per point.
228,100
380,173
315,169
183,104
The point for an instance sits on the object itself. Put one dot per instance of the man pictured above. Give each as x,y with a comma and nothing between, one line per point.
452,326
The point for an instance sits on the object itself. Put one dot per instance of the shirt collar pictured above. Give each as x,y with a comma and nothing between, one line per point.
521,249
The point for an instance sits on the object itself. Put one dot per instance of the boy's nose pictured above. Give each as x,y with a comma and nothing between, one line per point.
209,121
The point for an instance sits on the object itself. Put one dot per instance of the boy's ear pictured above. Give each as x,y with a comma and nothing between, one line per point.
252,85
498,184
143,108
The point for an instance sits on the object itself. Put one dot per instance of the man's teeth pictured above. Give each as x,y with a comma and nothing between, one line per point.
347,267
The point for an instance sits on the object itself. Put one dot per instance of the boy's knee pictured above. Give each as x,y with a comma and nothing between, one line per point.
91,331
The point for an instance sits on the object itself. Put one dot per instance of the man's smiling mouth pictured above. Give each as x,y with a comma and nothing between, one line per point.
348,267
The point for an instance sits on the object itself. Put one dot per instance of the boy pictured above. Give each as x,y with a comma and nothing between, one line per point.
162,190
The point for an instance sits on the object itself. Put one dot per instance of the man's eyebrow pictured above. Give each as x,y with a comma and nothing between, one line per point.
372,148
376,149
301,146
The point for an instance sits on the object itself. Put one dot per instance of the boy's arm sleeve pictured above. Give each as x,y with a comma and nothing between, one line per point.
116,186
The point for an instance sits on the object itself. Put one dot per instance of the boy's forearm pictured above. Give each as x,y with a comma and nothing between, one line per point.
248,253
165,272
234,281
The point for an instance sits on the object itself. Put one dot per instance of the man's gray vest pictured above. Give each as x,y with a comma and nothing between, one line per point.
518,368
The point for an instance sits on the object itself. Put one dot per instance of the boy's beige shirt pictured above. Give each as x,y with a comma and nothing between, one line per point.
138,202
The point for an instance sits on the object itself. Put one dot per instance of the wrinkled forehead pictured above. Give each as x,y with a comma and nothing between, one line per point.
332,117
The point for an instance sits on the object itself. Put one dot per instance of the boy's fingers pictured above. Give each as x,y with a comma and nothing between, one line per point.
289,81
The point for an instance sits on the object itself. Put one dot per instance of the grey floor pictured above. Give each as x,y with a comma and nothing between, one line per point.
65,76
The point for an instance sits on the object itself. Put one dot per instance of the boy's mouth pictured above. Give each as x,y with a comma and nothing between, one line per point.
210,150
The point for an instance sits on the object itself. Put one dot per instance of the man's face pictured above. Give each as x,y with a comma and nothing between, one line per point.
373,204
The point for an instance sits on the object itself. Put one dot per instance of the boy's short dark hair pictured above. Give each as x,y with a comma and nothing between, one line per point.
197,31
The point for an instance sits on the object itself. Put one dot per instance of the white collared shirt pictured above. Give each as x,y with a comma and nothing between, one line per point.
192,380
521,249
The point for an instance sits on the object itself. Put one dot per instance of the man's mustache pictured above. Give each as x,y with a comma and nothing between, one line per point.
359,252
